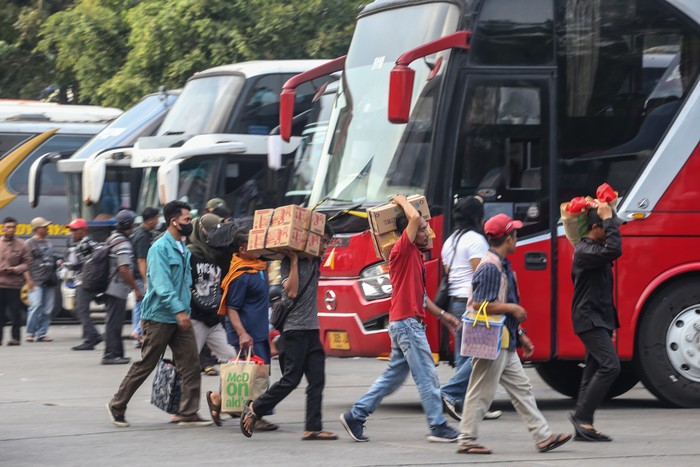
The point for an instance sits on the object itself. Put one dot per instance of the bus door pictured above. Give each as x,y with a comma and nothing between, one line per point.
503,154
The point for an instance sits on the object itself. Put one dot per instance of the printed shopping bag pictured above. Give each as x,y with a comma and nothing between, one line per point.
166,387
483,336
242,380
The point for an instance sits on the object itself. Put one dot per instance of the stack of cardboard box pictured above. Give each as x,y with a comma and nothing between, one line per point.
382,223
288,227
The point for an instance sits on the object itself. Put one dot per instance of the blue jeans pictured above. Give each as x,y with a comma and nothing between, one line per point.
136,313
456,388
410,352
41,303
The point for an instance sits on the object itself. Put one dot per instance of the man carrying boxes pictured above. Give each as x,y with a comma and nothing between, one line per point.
382,223
286,228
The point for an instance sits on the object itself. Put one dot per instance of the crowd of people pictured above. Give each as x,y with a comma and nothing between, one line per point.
191,297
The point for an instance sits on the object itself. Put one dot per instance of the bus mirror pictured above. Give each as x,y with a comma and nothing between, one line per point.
168,181
400,93
94,172
287,98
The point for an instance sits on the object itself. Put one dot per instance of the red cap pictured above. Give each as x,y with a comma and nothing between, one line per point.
78,224
500,225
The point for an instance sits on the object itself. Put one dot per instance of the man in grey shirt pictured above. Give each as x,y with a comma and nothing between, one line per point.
121,282
301,353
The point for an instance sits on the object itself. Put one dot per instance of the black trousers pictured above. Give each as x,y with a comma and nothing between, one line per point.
82,311
601,371
10,310
116,314
303,356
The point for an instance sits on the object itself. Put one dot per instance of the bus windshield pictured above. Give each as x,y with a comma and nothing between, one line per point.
366,158
122,129
204,106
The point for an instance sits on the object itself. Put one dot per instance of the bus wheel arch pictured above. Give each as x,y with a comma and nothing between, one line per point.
667,342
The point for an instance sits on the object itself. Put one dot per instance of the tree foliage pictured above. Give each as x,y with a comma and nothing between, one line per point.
112,52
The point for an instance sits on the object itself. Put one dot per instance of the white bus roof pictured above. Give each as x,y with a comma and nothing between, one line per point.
262,67
63,128
35,111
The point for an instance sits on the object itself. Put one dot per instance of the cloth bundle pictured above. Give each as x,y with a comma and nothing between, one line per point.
574,212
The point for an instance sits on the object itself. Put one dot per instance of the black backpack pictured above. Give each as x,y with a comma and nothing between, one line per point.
95,270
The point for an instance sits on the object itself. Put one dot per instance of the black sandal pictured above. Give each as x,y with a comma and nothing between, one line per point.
248,419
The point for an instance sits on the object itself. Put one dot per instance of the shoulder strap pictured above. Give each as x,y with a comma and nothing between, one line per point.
301,292
454,252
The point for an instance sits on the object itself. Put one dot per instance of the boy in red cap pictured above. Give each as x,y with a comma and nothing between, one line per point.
494,282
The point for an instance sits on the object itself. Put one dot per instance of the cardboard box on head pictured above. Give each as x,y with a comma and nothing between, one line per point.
382,224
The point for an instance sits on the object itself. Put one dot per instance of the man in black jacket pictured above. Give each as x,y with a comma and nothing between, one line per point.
594,316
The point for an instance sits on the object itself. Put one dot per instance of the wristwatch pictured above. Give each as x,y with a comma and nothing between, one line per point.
521,332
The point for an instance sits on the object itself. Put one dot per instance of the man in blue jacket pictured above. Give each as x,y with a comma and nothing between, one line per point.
165,314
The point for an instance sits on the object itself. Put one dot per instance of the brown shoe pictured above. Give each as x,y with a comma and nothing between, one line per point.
319,436
13,342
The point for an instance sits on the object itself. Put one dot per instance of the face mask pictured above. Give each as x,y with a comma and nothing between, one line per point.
185,230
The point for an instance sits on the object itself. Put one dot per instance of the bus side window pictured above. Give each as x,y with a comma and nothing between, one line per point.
260,113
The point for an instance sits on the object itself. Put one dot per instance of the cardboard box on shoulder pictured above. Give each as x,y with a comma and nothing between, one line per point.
301,218
256,244
383,218
291,226
382,223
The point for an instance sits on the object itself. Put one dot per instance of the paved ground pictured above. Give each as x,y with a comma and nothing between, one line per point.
52,413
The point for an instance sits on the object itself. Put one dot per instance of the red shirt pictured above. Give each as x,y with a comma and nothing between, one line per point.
407,280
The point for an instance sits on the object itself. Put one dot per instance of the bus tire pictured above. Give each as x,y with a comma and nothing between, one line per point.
667,345
564,376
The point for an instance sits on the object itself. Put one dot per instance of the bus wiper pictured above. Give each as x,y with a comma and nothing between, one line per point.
335,200
170,133
345,211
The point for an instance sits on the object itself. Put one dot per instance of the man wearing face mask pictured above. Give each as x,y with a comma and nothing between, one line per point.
165,316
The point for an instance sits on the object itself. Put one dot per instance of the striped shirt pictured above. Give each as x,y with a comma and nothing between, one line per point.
485,287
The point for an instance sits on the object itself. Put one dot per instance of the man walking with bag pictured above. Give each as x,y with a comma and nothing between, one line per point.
494,284
121,282
166,320
594,316
410,351
302,353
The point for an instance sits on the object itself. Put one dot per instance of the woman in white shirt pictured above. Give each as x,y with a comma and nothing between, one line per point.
461,254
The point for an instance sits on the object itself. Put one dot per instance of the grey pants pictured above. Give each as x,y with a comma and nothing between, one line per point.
486,375
215,338
156,338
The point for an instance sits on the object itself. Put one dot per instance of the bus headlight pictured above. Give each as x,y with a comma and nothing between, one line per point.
375,283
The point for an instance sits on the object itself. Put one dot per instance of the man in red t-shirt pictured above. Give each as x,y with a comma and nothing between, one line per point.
410,351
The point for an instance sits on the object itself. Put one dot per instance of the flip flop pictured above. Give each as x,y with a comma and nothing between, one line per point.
473,449
248,419
554,442
319,436
213,410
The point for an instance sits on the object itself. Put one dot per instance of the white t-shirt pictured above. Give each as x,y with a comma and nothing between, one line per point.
472,245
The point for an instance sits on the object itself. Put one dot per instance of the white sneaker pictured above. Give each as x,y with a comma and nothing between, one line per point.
493,415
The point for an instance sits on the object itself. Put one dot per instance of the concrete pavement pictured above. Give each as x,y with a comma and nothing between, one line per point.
52,412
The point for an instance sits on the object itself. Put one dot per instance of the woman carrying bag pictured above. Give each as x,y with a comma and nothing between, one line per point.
461,254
